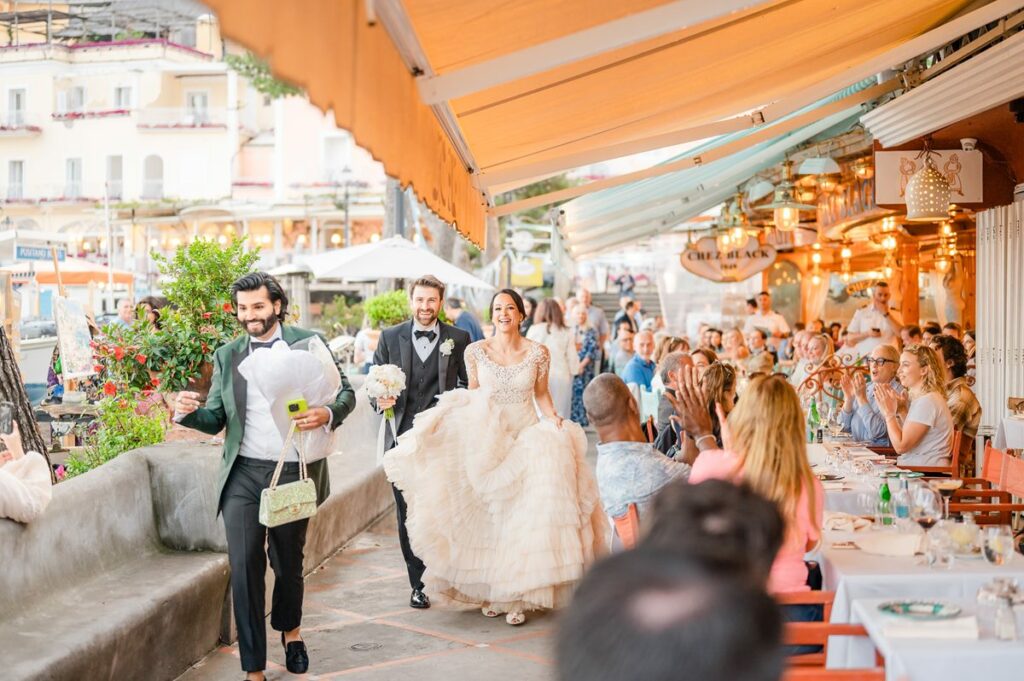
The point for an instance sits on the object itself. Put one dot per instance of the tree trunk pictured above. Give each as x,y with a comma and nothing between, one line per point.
12,390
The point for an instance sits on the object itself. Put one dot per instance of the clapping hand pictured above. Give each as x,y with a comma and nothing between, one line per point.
849,390
691,406
887,400
860,387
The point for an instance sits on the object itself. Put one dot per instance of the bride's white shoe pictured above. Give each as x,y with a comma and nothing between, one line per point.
515,618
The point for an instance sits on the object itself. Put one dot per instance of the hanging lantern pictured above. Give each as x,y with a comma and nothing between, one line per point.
927,192
723,242
785,208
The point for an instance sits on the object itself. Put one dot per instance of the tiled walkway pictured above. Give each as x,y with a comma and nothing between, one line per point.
358,626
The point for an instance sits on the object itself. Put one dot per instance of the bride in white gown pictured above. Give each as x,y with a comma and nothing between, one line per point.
503,508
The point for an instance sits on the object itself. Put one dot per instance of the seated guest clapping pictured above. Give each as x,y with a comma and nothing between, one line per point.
25,488
629,469
763,441
860,415
667,370
925,436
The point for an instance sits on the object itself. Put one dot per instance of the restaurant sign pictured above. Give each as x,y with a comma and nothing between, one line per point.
704,259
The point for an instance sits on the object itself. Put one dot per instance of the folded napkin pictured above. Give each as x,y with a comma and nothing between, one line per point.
844,522
954,628
888,543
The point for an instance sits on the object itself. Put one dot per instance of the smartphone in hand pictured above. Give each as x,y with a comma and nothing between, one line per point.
6,418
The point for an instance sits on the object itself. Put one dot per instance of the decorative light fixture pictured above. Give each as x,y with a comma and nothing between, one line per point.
927,192
784,205
759,190
819,165
846,253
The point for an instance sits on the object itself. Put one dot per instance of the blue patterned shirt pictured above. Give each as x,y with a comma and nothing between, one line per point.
632,473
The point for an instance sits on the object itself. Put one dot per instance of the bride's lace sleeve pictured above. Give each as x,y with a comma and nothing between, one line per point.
542,359
471,362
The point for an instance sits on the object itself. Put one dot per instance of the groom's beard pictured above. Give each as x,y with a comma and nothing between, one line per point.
257,327
426,319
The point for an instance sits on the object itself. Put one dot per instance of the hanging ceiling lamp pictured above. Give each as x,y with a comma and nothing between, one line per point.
927,191
784,205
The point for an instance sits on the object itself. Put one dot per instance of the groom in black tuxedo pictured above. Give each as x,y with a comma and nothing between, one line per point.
431,354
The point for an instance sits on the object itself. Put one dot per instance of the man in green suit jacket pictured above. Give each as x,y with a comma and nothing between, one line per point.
252,446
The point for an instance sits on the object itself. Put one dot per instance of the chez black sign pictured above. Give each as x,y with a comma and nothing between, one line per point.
703,259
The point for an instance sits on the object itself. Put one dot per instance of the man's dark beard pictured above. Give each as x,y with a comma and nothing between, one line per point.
266,325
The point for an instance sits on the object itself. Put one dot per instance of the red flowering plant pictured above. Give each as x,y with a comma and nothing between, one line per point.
121,360
199,318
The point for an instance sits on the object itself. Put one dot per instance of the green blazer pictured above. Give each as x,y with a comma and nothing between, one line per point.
225,407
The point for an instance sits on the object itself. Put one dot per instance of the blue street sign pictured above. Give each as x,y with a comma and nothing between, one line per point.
37,253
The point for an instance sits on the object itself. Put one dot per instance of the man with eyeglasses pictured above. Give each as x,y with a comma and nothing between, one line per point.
860,415
873,325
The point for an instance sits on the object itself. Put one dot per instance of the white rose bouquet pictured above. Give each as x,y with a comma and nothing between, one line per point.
384,381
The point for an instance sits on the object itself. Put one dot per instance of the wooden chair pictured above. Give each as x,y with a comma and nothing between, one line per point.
817,633
990,497
953,469
627,526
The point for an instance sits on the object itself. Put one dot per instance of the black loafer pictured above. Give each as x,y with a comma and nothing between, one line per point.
296,660
419,600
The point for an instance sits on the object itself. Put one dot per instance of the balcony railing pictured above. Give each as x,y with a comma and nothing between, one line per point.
182,118
18,123
65,192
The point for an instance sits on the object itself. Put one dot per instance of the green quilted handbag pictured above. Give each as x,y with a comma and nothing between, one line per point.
281,504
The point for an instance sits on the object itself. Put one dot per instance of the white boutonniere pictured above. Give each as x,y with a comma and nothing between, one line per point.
447,347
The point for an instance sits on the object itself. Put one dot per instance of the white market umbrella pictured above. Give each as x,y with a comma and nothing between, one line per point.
394,258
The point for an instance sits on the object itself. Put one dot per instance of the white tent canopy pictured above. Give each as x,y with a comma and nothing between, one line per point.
394,258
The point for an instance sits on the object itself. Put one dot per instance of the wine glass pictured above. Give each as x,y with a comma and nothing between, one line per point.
946,487
925,508
998,544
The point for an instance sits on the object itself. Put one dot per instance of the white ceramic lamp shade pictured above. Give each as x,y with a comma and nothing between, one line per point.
927,194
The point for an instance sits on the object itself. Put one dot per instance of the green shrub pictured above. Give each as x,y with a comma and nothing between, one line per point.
120,430
388,309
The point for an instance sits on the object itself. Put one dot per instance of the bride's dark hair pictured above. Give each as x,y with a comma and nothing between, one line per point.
516,298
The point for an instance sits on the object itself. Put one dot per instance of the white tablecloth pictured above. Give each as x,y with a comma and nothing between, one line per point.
847,499
932,659
855,575
1010,433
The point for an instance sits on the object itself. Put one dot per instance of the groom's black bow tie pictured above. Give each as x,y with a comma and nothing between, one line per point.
256,345
429,335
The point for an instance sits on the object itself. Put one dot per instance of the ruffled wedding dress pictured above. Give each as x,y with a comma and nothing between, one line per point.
503,507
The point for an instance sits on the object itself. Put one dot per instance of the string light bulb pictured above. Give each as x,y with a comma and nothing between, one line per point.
846,253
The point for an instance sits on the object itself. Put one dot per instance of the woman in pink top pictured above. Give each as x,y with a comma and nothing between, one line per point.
764,445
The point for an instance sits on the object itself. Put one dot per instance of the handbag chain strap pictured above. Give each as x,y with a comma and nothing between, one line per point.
300,446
